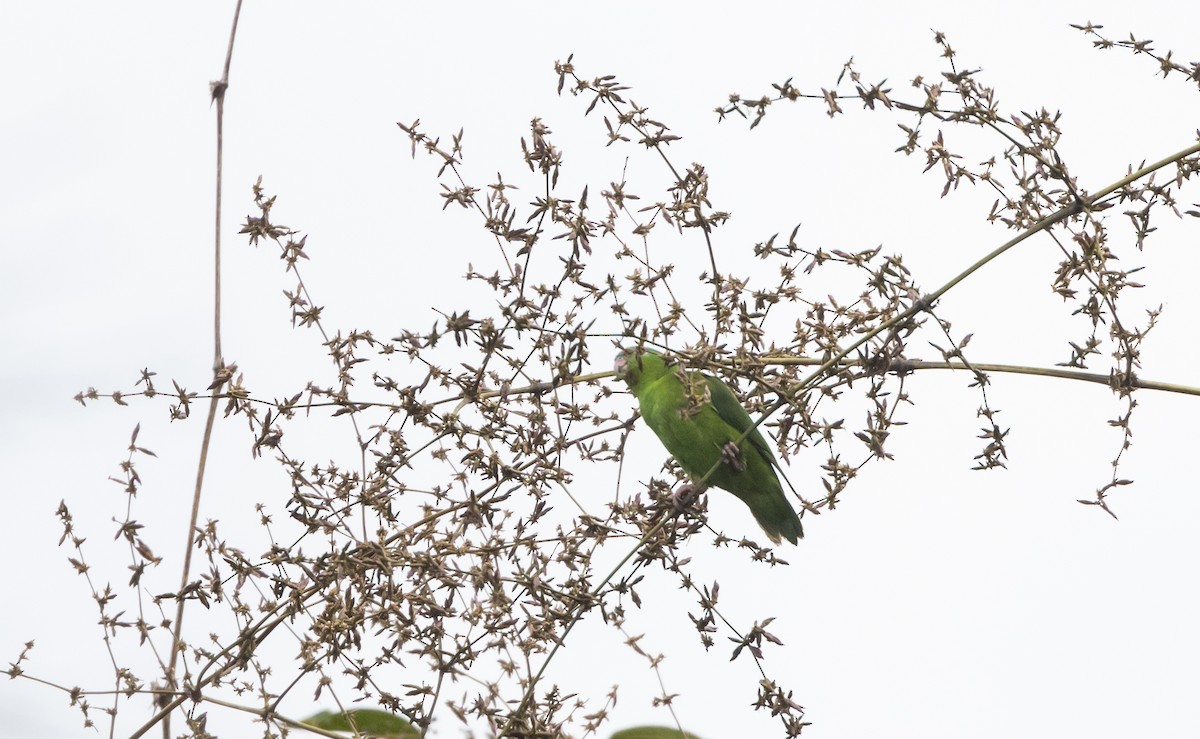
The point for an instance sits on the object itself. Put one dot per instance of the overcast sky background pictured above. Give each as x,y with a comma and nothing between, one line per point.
935,602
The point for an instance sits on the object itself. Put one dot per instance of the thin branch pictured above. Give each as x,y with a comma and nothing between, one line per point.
219,371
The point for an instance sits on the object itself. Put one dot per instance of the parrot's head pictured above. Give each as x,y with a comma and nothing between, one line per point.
632,365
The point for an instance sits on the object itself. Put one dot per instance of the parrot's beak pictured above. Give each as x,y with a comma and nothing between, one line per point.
621,363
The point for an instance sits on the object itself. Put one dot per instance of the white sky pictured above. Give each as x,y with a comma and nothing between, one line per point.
935,602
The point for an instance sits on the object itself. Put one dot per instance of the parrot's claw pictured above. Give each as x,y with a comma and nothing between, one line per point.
731,454
683,497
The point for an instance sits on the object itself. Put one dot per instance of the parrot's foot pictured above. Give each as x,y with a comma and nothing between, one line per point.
731,454
683,497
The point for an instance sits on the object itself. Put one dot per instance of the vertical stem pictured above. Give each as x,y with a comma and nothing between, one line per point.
218,95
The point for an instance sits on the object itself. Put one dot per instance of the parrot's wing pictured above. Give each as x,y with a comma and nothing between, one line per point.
726,404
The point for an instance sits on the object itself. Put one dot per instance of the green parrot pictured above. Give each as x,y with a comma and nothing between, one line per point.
698,419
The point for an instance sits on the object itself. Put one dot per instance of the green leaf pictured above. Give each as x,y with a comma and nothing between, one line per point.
653,732
366,721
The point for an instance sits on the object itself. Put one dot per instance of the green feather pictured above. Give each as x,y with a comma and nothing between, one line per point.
696,416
